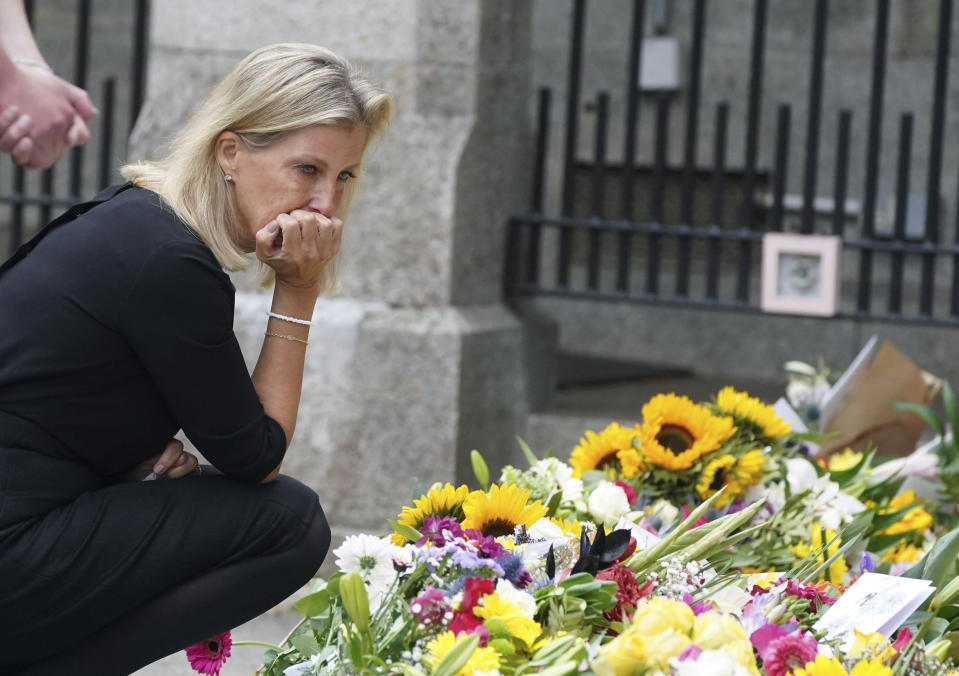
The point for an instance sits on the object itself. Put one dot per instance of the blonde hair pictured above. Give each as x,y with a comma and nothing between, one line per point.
273,91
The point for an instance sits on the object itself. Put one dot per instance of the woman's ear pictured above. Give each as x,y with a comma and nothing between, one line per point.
227,148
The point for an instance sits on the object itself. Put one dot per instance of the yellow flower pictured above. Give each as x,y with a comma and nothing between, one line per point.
610,451
748,470
845,459
752,411
903,552
625,655
819,537
916,518
822,666
444,501
522,627
874,643
568,527
830,666
663,646
501,510
676,432
712,630
716,475
482,659
655,615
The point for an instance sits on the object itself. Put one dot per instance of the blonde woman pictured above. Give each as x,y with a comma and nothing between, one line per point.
118,333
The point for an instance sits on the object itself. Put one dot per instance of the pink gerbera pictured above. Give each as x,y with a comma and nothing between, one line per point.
207,657
787,653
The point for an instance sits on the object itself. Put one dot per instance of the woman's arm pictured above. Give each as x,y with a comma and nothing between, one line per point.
297,246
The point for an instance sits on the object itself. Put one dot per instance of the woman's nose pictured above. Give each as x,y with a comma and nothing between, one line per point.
325,199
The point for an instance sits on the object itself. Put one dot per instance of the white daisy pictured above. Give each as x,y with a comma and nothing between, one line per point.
369,556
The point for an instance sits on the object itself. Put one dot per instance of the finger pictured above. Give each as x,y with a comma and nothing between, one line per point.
13,133
7,117
186,464
168,458
81,103
78,133
269,241
22,150
292,234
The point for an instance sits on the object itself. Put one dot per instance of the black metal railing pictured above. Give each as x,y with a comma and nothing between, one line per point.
37,196
713,255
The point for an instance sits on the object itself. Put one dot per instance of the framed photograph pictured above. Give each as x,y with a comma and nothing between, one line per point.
800,274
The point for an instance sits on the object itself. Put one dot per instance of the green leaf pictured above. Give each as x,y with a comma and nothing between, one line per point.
406,532
457,657
552,502
313,604
952,407
527,451
305,644
841,477
924,412
480,469
941,564
355,601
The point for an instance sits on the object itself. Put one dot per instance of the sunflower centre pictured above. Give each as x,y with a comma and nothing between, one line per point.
718,479
610,461
498,527
367,562
674,438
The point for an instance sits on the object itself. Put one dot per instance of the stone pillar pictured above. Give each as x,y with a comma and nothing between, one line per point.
417,361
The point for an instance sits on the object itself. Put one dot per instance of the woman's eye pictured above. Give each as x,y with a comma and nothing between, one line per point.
346,175
307,169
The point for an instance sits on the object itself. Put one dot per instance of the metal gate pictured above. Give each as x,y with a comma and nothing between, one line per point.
622,247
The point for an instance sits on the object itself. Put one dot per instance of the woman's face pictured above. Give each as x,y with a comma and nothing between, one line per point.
305,169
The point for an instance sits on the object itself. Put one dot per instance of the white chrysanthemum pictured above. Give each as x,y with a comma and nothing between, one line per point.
369,556
829,505
608,503
523,601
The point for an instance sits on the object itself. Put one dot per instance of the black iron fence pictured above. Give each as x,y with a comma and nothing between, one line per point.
100,46
612,238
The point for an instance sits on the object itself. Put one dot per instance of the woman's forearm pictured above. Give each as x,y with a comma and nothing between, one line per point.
278,375
16,38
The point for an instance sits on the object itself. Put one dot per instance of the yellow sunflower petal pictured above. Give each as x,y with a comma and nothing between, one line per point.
675,432
750,410
610,451
499,511
444,501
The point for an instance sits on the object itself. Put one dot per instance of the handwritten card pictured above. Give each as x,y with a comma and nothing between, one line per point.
875,603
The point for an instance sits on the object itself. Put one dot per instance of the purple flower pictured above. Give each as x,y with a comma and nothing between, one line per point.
436,529
486,545
697,608
866,563
513,569
430,607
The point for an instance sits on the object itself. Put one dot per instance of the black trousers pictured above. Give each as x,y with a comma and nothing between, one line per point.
126,574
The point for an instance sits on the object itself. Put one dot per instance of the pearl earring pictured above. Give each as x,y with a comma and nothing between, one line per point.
227,178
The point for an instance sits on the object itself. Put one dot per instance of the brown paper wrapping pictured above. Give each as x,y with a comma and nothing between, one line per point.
865,414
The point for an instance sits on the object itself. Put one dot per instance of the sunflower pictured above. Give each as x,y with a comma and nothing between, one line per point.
916,518
752,412
748,470
445,501
903,552
676,432
715,476
501,510
611,451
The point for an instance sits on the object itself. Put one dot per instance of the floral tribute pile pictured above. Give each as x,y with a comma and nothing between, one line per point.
704,540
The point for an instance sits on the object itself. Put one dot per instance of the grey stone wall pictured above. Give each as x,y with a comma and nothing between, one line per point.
417,361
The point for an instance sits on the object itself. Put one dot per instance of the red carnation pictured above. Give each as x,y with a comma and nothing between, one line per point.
630,493
475,589
628,592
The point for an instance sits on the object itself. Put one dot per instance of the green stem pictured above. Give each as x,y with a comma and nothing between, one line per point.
286,639
260,643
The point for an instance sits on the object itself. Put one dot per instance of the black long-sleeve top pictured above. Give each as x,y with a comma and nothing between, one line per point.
116,331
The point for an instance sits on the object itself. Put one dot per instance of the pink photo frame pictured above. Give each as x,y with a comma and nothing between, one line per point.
800,274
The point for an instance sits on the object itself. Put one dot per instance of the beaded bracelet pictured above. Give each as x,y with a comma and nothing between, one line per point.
292,320
286,337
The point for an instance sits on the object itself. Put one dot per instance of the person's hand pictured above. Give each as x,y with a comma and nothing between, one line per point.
172,463
15,134
298,245
56,109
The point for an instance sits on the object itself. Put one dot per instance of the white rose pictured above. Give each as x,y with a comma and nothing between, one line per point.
572,489
525,602
608,502
544,529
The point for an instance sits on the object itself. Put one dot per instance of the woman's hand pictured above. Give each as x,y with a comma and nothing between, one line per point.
172,463
298,245
15,134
